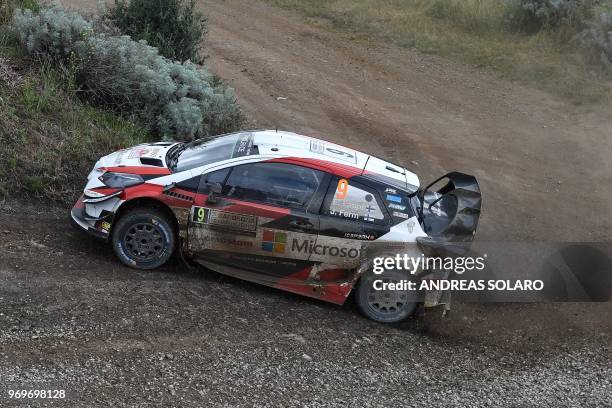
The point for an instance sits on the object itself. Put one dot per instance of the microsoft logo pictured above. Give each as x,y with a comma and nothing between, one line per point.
274,241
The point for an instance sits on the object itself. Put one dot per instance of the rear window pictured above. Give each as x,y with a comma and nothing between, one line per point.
353,201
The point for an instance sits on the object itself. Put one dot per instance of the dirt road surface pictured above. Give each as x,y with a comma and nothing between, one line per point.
73,318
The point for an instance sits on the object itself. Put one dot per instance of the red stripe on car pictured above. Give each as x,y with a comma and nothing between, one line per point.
105,190
339,169
259,210
141,170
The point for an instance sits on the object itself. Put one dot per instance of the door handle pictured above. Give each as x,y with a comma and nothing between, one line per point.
301,225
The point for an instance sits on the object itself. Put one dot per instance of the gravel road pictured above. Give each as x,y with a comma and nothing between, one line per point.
74,318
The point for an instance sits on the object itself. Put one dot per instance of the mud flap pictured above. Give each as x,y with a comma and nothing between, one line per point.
450,214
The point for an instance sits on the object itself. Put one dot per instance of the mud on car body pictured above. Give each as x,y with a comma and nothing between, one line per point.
280,209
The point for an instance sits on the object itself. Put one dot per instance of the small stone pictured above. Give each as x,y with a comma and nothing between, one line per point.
306,357
37,245
295,337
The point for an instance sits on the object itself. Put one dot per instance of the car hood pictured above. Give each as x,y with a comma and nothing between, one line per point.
146,154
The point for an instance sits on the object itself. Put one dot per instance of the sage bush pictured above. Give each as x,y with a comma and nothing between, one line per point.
596,41
50,32
172,99
556,13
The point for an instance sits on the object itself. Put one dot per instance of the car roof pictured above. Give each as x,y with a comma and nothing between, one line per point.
289,144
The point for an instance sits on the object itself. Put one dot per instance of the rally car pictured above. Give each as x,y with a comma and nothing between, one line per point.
281,209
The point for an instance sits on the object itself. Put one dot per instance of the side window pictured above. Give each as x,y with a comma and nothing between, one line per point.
217,176
353,201
277,184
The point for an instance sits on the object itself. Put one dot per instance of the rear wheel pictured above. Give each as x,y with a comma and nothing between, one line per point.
144,238
386,306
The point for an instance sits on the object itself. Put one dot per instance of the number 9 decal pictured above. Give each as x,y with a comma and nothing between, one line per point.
200,214
342,189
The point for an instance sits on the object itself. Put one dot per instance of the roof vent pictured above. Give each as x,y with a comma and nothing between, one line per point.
151,162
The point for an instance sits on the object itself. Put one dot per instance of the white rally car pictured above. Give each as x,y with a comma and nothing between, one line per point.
280,209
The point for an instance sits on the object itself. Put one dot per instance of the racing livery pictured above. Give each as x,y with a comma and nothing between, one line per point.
280,209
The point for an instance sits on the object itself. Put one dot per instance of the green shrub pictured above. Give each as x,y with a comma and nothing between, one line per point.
172,26
171,99
555,13
596,41
51,32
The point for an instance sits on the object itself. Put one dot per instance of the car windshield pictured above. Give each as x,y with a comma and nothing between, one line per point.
206,151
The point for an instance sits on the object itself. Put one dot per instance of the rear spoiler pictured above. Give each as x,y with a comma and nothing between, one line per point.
450,214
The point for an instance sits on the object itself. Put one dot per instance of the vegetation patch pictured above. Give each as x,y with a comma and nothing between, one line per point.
174,27
49,139
180,101
70,94
531,41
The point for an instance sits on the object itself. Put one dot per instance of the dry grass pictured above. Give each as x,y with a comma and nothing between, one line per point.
492,34
49,139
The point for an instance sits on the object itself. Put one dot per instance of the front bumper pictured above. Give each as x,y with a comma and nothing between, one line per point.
98,227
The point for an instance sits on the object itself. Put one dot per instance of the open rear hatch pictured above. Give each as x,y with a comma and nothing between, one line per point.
449,210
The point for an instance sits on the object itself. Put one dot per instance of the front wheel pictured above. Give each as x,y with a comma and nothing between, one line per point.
386,306
144,238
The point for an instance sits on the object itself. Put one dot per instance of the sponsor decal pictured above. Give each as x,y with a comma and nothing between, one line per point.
363,237
119,155
225,220
143,151
105,225
243,146
394,198
396,206
368,215
400,214
333,151
390,190
311,247
410,226
317,147
235,242
274,241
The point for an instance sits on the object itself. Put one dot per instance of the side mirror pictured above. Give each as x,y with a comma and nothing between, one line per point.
213,188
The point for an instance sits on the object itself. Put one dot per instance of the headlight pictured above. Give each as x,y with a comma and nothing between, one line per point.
120,180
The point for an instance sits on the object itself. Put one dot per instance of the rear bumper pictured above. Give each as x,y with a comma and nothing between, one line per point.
92,226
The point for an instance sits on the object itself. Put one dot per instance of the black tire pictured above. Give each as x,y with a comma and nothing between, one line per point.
386,306
144,238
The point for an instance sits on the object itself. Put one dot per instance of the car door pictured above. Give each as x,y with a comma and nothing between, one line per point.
261,222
